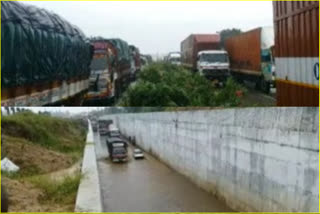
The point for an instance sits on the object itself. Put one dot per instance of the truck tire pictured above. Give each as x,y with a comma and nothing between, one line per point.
264,86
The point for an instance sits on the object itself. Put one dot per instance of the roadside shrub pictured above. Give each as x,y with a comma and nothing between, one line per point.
162,84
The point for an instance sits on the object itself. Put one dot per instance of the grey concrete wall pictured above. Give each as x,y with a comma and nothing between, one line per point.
256,159
89,196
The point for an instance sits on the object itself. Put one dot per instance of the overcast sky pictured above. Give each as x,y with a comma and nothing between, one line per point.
159,27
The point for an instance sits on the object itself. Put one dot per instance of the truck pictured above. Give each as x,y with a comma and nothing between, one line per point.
201,53
251,57
45,59
112,69
113,131
101,88
135,62
145,60
117,149
104,126
94,126
296,25
174,58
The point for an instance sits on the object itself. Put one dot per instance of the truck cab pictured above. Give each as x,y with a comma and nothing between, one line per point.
214,64
174,58
113,131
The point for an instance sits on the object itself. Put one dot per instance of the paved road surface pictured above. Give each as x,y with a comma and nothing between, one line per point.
255,97
149,186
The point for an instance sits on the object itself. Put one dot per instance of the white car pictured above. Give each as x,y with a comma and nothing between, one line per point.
138,154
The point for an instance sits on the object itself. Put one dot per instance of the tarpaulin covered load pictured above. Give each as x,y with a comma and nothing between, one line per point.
39,46
123,50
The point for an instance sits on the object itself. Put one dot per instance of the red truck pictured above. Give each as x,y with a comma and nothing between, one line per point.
202,53
110,71
251,57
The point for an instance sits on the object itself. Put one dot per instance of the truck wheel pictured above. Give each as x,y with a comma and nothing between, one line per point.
264,86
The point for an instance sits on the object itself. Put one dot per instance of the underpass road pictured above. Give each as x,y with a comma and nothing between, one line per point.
149,186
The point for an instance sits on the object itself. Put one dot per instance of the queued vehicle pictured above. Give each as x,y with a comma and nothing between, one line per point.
135,62
296,25
214,64
201,53
138,154
94,125
45,60
174,58
114,66
145,60
251,57
113,131
117,149
101,89
104,126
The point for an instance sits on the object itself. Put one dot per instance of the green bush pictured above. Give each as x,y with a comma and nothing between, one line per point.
162,84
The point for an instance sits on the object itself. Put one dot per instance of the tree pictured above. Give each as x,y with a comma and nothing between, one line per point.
227,33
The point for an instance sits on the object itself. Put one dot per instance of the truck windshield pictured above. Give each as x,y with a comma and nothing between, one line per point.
114,134
266,56
119,151
99,63
222,58
176,59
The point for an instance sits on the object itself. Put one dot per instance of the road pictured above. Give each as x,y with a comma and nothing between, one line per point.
149,186
255,97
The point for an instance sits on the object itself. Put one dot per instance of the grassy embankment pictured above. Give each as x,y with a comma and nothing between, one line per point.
44,148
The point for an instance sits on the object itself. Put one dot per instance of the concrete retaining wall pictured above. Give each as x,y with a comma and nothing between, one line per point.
89,196
256,159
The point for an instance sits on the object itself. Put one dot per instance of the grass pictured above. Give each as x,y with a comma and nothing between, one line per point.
58,191
61,135
56,140
162,84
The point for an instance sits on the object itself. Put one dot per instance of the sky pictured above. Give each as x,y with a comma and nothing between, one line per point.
158,27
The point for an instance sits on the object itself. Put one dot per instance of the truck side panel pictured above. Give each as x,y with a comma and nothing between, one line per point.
187,51
244,51
297,52
45,59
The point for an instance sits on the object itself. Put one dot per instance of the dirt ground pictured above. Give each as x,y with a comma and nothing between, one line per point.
24,197
34,160
33,157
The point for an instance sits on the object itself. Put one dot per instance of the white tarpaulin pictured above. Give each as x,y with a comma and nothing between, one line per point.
8,166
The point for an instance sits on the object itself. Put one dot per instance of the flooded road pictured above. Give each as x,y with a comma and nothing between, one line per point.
149,186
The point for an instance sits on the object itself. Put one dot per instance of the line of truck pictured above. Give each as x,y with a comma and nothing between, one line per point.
48,61
285,55
114,66
117,147
247,56
45,60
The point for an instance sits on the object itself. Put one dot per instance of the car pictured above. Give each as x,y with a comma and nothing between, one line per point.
138,154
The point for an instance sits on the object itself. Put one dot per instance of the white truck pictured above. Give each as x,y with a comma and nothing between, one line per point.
214,64
174,58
